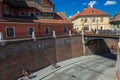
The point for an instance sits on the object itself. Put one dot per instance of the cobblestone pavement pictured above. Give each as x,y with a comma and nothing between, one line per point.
91,67
96,68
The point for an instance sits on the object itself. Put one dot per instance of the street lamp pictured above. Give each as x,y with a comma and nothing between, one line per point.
97,27
83,39
82,27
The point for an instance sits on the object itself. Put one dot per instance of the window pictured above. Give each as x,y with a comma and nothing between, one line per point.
86,27
85,20
101,19
31,14
22,14
30,30
102,27
47,14
94,20
10,32
47,31
6,12
93,11
37,1
65,30
37,13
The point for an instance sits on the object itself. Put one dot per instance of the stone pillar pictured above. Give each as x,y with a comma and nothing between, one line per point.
1,36
70,33
54,35
83,42
1,39
33,36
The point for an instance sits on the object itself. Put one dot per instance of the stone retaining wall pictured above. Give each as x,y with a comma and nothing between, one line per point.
36,54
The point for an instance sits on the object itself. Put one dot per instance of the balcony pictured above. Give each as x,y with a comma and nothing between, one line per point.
15,3
28,3
37,6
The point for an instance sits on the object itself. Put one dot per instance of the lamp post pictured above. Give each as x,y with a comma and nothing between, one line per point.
97,27
82,27
83,39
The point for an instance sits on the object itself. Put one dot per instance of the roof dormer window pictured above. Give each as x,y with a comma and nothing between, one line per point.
93,11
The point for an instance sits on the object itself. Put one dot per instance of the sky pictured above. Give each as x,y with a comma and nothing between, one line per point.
70,7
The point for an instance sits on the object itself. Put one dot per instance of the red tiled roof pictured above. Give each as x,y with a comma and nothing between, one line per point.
92,12
89,12
116,18
42,21
74,16
62,15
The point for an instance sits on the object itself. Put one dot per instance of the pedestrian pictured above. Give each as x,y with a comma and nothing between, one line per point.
54,63
26,72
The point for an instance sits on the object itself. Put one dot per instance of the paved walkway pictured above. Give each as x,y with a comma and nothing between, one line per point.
82,68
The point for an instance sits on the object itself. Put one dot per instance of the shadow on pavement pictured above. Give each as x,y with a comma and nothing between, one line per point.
108,55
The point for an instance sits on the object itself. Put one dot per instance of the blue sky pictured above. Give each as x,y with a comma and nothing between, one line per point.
70,7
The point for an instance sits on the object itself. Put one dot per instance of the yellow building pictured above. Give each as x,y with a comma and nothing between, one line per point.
90,19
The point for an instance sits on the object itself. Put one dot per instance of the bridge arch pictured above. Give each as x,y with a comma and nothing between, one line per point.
101,45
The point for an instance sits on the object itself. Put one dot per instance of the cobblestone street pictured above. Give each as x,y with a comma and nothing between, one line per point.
99,68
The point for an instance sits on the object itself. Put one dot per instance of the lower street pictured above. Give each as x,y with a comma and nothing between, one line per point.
93,68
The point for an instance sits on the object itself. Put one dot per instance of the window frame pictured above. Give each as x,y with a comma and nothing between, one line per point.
33,30
13,32
22,12
66,30
85,20
37,13
86,27
101,19
29,14
93,20
45,30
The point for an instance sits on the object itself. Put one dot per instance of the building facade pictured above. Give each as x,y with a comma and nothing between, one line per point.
90,19
20,18
115,22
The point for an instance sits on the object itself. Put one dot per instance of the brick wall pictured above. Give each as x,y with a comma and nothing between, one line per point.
41,53
21,29
77,47
36,54
63,48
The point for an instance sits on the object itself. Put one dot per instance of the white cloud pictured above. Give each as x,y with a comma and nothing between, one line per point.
110,3
92,3
84,3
